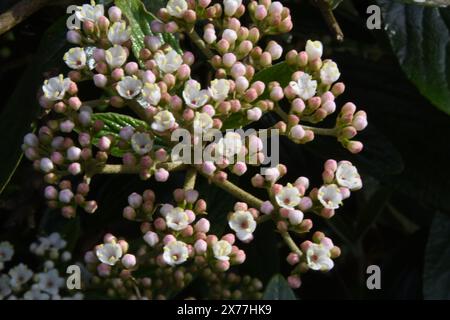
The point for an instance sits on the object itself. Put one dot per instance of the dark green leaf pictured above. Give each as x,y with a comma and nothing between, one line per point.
278,289
436,277
420,38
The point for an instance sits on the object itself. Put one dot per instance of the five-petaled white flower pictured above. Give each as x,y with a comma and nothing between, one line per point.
20,274
55,88
231,6
202,122
169,62
304,87
75,58
330,196
222,250
243,223
129,87
142,143
119,33
314,49
318,257
347,176
177,8
89,12
219,89
193,94
116,56
175,252
151,93
329,73
6,251
230,145
163,121
50,281
288,197
109,253
177,219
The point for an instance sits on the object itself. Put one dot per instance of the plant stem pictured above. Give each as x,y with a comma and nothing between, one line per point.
330,19
191,176
122,169
290,242
322,131
195,38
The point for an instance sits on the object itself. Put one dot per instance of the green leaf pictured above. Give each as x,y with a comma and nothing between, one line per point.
23,108
436,277
334,3
420,38
278,289
139,19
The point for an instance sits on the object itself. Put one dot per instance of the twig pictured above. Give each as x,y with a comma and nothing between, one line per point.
290,242
122,169
330,19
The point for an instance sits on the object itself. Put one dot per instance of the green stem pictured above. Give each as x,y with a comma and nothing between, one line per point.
191,176
321,131
290,242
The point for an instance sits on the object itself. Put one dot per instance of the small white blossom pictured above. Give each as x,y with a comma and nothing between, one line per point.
20,275
175,252
243,223
50,281
141,143
202,122
304,87
163,120
75,58
6,251
330,196
56,241
55,88
119,33
219,89
129,87
230,145
318,257
177,8
193,94
109,253
288,197
151,93
169,62
231,6
5,288
314,49
116,56
177,219
347,176
329,73
222,250
89,12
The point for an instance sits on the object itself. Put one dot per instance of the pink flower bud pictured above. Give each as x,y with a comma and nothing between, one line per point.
276,94
171,27
200,246
65,196
238,70
104,143
222,265
135,200
191,196
183,72
202,225
267,207
168,239
74,168
151,238
329,107
257,181
208,167
131,68
297,132
229,59
230,238
128,261
360,120
239,257
294,282
73,37
161,175
293,258
260,12
46,165
295,217
66,126
50,193
355,146
239,168
345,193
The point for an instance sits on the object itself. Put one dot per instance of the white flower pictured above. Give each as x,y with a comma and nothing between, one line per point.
230,145
347,176
116,56
314,49
304,87
175,252
129,87
219,89
222,250
5,288
55,88
177,219
243,223
35,294
202,122
75,58
169,62
119,33
151,93
288,197
193,94
56,241
231,6
6,251
329,73
20,274
318,257
330,196
89,12
163,120
177,8
50,281
141,143
109,253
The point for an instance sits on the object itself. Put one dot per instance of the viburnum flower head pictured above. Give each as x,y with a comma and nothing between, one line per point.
288,197
151,93
347,176
116,56
168,62
329,73
90,12
193,94
129,87
142,143
304,87
75,58
55,88
243,223
330,196
163,120
177,219
318,257
177,8
119,33
175,252
219,89
222,250
109,253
